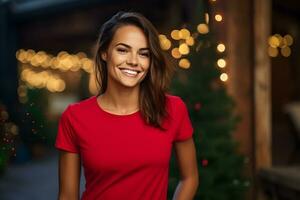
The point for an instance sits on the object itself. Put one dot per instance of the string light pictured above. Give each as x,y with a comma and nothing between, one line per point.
175,35
218,17
203,28
190,41
277,44
184,33
44,79
185,40
221,63
274,41
206,18
184,63
223,77
175,53
165,43
184,49
273,52
288,39
285,51
221,47
63,61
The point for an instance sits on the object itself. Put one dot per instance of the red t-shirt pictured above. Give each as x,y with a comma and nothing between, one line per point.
122,156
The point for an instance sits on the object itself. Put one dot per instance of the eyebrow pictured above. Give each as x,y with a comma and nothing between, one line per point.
128,46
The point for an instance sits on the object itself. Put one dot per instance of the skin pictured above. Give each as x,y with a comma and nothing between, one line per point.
129,49
187,163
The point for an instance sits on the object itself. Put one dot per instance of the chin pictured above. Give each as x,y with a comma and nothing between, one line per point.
130,85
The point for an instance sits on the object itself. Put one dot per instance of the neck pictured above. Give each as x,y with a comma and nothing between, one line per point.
120,100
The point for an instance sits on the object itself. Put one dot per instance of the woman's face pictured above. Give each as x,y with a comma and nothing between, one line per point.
127,57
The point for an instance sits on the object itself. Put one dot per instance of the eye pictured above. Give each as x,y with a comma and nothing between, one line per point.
145,54
121,50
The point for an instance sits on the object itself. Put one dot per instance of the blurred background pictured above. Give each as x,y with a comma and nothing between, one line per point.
237,69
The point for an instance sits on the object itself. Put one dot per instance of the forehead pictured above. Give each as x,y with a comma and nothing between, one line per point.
130,35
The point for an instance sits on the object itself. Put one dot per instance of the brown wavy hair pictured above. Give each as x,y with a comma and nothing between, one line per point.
152,98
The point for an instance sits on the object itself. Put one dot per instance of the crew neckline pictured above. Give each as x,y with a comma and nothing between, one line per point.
96,101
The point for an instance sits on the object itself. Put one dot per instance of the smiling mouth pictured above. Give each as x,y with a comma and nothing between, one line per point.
130,72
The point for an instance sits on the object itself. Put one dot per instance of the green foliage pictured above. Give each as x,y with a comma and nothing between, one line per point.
212,114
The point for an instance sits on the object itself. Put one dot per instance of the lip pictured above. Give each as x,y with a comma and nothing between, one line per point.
128,75
138,71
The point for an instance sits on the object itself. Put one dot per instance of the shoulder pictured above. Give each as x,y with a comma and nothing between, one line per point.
175,100
80,107
175,103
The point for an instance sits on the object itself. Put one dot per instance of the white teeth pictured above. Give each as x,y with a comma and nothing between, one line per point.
129,71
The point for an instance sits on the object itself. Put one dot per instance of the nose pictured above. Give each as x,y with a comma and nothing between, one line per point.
132,59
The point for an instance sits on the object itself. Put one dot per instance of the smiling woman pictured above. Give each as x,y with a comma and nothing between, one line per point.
123,136
127,57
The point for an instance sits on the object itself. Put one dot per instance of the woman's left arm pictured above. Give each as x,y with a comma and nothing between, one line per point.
187,162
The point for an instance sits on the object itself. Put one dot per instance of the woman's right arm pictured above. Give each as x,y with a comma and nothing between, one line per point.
69,176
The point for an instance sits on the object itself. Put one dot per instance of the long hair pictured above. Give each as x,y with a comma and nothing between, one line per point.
152,98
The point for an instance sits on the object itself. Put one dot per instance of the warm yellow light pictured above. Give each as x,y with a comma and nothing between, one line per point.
46,61
184,33
76,64
23,74
190,41
30,54
175,53
206,18
221,63
221,47
51,85
175,35
286,51
87,65
288,39
165,44
273,52
203,28
62,54
280,38
65,62
81,55
60,85
223,77
274,41
218,17
162,37
184,49
55,63
45,75
22,55
184,63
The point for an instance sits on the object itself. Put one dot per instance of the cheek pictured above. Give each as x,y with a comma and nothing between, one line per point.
117,59
146,64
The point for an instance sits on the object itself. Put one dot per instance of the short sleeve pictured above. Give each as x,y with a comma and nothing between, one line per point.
185,129
65,138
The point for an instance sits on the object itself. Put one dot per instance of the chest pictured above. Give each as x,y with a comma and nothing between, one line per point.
122,145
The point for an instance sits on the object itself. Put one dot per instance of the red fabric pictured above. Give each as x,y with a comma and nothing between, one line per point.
122,156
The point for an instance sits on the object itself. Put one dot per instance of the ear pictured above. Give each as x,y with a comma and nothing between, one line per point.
104,56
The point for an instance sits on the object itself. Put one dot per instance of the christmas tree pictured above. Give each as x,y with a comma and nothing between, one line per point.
201,83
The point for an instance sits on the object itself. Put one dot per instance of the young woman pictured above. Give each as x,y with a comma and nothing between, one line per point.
123,136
